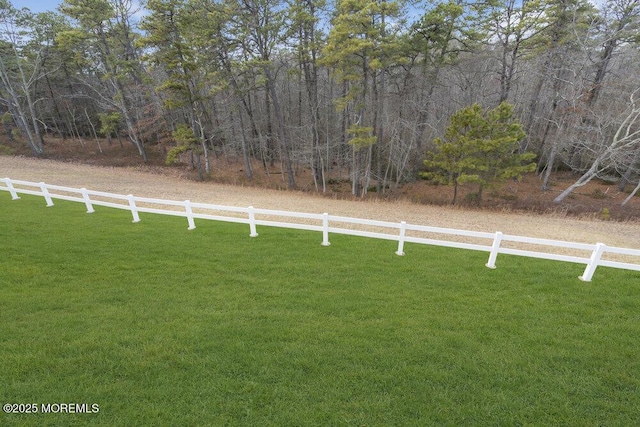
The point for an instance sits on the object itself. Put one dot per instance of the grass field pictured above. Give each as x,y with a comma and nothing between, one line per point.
163,326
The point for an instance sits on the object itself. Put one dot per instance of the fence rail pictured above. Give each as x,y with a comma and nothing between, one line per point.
327,224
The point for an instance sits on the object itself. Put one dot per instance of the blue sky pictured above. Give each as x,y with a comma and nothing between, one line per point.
47,5
36,5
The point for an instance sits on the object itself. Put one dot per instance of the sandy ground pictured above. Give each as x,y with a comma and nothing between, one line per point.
139,183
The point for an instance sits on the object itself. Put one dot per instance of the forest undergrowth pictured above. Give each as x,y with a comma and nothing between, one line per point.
599,199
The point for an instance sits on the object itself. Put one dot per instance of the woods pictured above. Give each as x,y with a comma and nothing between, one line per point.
360,89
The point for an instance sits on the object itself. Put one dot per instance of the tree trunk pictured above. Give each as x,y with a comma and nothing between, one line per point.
548,169
58,119
93,130
455,192
633,193
551,161
281,129
355,178
584,179
631,168
245,152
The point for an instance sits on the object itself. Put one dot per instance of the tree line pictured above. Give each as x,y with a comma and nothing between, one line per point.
366,88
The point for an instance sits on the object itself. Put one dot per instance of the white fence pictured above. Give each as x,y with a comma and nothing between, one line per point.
325,224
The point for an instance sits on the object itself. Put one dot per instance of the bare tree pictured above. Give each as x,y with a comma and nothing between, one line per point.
625,140
17,76
621,22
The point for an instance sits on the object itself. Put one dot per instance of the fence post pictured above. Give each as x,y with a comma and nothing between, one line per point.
403,232
87,200
252,223
134,209
325,229
494,250
187,207
45,193
14,194
593,262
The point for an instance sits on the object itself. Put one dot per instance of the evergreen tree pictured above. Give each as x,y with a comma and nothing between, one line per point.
515,25
358,50
479,147
445,32
170,29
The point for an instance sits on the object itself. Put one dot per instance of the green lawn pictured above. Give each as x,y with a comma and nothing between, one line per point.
159,325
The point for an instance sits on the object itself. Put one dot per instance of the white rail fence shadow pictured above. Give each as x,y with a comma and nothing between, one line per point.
326,224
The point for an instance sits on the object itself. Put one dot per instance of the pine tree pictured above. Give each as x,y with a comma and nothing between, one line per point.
170,32
479,147
357,51
446,31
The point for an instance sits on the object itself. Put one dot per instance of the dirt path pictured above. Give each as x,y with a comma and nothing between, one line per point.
139,183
